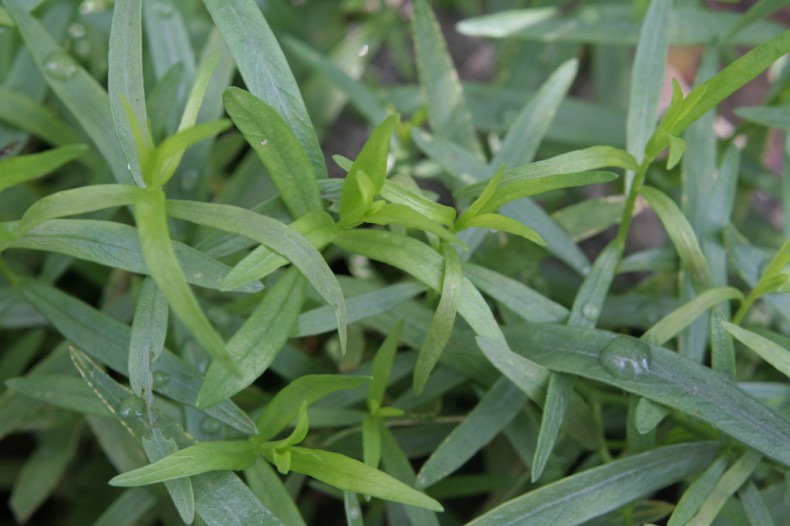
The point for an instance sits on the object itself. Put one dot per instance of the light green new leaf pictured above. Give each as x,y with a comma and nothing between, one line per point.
495,411
682,236
257,342
395,193
381,367
372,159
168,155
505,224
284,407
23,168
85,99
771,352
660,375
317,227
125,78
448,114
396,214
278,148
264,69
278,237
220,455
683,316
443,319
592,493
352,475
154,232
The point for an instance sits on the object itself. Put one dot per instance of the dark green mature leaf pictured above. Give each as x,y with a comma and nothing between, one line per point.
770,351
352,475
17,170
257,342
68,392
234,455
264,69
659,375
381,367
147,341
447,112
107,341
278,148
74,86
495,411
558,394
276,236
589,494
283,408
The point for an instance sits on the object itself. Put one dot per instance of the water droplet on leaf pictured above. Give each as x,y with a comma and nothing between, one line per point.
210,426
590,311
264,142
131,407
160,379
364,50
60,66
626,358
163,9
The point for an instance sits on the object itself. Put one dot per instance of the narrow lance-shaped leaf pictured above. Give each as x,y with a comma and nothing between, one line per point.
234,455
278,148
697,492
771,352
447,110
284,407
23,168
149,329
558,393
149,213
352,475
443,320
265,70
125,78
591,295
381,367
257,342
592,493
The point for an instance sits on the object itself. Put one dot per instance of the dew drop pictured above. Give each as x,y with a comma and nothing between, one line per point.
353,513
626,358
60,66
163,9
210,426
590,311
264,142
160,379
363,50
590,16
131,407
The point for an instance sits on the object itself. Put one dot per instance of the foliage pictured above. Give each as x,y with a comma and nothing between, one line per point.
199,325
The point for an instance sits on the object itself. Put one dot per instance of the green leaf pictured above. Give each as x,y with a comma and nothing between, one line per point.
443,319
276,236
479,204
647,78
125,78
558,393
168,155
677,147
307,389
154,232
268,487
569,163
317,227
591,295
381,367
682,236
23,168
592,493
495,411
768,116
277,146
352,509
447,111
683,316
396,214
505,224
371,440
661,375
85,99
118,246
128,509
147,341
529,127
43,470
771,352
68,392
264,69
697,492
372,159
257,342
352,475
395,193
220,455
107,340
